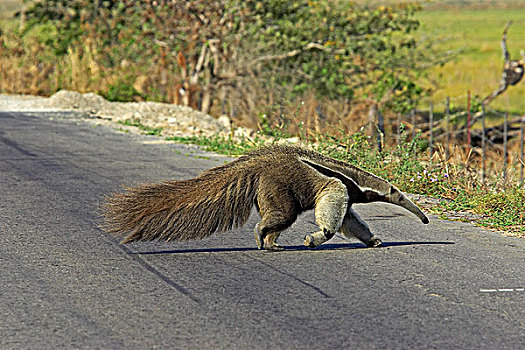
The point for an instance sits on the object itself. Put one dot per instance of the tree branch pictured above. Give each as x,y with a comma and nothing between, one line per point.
198,67
293,53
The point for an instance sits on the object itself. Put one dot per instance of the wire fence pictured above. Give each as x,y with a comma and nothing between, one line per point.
468,131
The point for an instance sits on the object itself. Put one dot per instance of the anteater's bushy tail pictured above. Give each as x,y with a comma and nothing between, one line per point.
216,201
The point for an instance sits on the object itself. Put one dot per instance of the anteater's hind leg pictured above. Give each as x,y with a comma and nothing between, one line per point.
330,209
277,214
354,226
268,241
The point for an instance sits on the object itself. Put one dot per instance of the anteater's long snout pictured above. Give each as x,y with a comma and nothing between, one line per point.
414,209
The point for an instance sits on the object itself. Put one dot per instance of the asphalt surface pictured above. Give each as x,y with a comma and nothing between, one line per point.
66,284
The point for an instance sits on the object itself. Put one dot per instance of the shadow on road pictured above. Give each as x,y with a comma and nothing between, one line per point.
323,247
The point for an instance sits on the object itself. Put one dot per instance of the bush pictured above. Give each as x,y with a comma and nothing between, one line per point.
121,91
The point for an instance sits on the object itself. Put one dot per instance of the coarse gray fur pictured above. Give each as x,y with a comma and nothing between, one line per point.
280,181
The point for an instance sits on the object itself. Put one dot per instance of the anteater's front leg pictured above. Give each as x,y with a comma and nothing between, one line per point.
354,226
330,209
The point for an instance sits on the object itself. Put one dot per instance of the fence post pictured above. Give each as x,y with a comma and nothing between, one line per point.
431,125
468,120
521,151
505,149
380,130
372,115
413,121
483,144
223,106
398,128
447,112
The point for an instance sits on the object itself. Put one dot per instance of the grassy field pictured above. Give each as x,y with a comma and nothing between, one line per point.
477,33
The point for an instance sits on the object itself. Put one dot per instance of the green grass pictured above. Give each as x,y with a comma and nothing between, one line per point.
477,33
146,130
219,144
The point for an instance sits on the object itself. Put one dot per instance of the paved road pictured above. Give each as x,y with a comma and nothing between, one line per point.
66,284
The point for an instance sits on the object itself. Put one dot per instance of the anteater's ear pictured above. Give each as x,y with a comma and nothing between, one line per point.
395,195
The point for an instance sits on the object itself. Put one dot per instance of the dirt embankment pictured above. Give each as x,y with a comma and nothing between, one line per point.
173,119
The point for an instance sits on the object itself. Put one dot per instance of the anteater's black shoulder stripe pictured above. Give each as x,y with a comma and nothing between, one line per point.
354,191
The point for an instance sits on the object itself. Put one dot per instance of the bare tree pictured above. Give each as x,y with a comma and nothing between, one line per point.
511,74
512,69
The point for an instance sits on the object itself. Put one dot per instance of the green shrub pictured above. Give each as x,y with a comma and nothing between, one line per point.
121,91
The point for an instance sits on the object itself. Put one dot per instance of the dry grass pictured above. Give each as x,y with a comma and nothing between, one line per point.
25,69
9,7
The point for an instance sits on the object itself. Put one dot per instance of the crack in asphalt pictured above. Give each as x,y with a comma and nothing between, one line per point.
55,165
